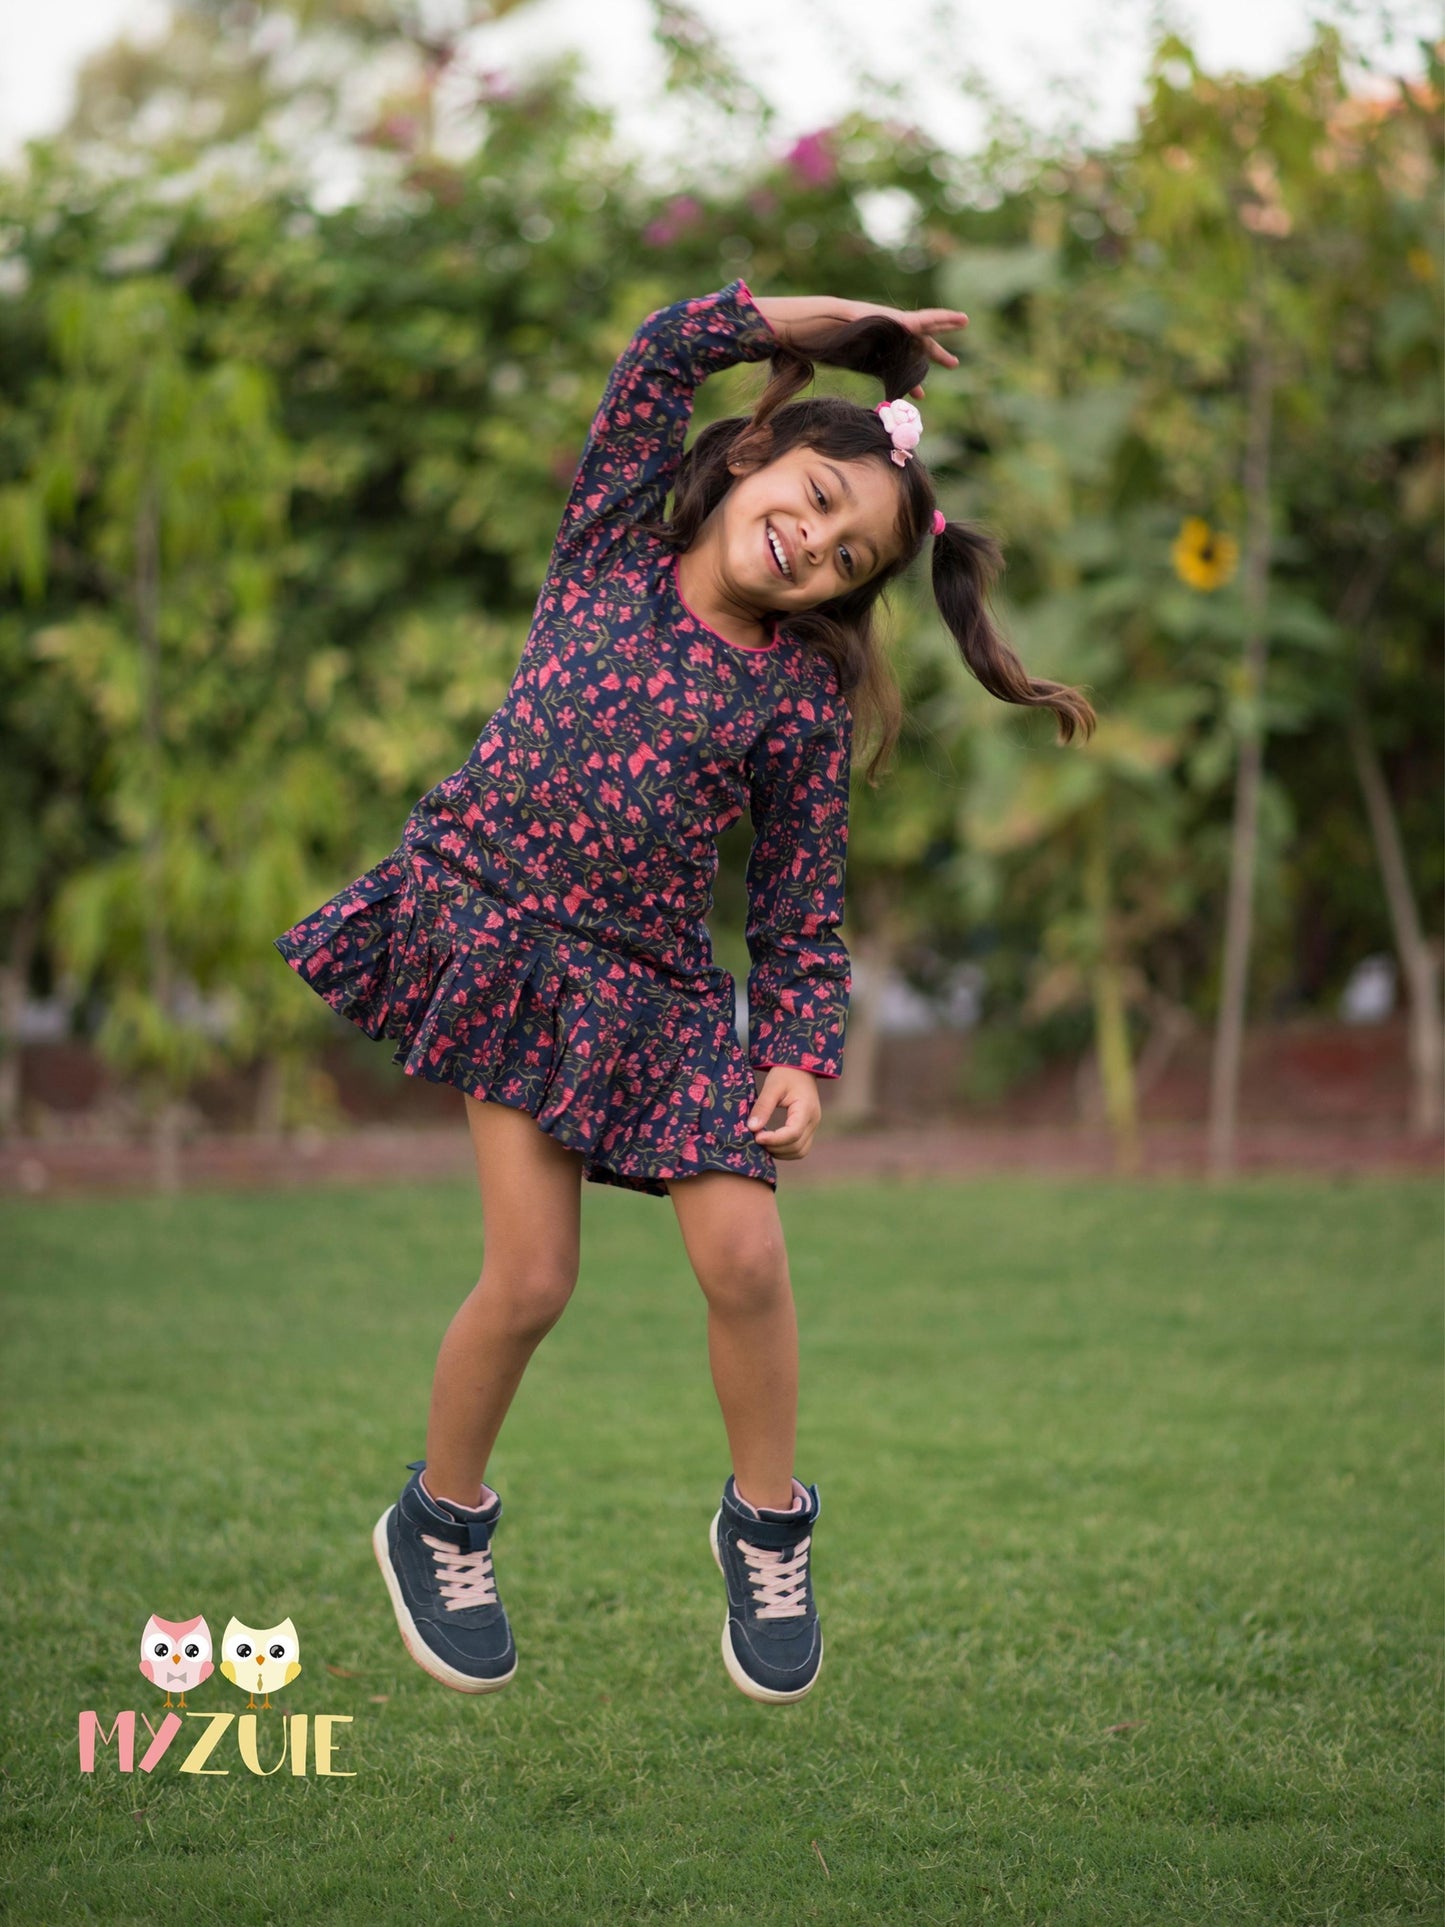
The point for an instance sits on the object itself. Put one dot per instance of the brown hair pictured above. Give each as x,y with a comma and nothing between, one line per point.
966,557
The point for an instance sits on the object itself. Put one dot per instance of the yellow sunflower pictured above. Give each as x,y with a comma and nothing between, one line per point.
1203,557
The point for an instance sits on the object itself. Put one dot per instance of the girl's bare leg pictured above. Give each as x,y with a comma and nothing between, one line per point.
532,1210
734,1241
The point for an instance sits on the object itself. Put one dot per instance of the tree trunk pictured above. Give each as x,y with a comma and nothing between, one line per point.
166,1143
875,952
1417,965
166,1133
1111,1020
14,982
269,1116
1244,843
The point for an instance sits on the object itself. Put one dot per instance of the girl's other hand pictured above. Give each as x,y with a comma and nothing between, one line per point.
796,1093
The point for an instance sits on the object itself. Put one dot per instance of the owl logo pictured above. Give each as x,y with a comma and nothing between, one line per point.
260,1662
176,1655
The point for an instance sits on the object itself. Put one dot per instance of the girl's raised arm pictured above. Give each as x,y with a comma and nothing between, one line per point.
801,321
634,446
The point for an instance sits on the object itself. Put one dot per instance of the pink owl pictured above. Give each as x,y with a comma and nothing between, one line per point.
176,1654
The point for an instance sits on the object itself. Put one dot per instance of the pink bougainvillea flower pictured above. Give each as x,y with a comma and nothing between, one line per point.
493,86
811,159
684,211
396,130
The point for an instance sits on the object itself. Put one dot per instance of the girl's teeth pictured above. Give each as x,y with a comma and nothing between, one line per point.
778,552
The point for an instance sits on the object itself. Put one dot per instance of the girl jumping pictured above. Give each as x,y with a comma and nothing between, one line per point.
539,940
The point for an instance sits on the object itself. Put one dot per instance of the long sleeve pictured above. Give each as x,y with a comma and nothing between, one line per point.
634,446
800,979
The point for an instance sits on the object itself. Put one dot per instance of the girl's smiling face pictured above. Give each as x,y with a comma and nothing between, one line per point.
806,528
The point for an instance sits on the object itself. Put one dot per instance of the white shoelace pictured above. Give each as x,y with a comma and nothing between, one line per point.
465,1577
779,1583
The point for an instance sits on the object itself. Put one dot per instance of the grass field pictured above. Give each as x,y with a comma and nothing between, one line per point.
1129,1564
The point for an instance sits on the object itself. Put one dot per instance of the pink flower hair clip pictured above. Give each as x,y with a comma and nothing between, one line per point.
904,425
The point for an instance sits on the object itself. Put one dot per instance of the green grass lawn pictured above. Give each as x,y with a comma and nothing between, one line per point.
1129,1563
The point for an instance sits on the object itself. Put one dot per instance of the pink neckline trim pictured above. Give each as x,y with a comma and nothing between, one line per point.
748,648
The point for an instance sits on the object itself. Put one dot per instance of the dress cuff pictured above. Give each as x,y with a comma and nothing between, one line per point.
814,1069
743,293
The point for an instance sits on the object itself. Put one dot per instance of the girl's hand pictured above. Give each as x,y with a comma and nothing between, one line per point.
803,319
796,1093
925,323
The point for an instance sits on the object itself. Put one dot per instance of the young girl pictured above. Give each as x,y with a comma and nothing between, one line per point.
539,941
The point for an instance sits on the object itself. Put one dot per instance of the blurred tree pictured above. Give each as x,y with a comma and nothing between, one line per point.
1052,407
179,474
1118,383
1375,529
343,96
1260,204
434,283
53,740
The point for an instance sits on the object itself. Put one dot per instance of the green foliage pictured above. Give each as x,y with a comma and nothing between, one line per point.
1108,390
167,461
355,429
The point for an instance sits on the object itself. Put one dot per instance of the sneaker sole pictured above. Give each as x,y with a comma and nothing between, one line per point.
412,1639
767,1694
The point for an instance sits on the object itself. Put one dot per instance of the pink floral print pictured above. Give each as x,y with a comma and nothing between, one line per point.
539,937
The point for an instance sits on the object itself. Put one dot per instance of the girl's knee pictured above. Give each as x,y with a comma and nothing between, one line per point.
531,1297
749,1275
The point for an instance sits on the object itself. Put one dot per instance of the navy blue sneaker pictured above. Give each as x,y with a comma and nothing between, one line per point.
772,1644
436,1559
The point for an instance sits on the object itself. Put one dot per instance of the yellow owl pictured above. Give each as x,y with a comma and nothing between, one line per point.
260,1662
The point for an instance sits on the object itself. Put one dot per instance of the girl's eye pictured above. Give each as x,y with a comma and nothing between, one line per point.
822,504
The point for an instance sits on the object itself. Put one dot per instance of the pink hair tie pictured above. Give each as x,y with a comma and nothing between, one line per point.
939,522
904,425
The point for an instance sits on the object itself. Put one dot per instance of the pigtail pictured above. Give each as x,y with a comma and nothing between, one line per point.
966,562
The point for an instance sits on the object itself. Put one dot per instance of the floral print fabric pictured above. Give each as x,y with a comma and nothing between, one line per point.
539,937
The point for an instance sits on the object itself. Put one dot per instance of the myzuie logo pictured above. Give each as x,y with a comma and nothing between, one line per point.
175,1656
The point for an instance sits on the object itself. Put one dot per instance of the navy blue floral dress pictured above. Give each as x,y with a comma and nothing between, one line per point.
539,938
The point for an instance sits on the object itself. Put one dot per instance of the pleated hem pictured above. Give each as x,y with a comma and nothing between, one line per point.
630,1172
646,1081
